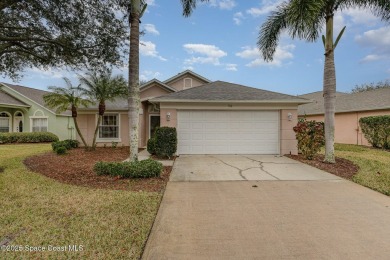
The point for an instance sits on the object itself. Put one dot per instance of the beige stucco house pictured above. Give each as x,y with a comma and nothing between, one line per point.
210,117
349,109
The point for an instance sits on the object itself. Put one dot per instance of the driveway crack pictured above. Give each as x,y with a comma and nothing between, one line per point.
239,170
261,166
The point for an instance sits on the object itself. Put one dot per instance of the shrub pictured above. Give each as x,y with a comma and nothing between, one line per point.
35,137
139,169
166,141
310,136
151,146
376,129
61,150
72,143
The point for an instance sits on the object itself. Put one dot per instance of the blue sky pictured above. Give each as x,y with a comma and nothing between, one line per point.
219,42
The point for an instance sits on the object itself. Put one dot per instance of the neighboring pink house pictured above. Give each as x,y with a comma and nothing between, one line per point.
349,109
210,117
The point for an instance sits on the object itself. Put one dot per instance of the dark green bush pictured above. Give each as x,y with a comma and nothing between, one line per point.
151,146
140,169
61,150
35,137
57,144
376,129
166,141
72,143
310,136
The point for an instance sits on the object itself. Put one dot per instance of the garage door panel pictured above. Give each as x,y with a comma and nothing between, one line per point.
228,132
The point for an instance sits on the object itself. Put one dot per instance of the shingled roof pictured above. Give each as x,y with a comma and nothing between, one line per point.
33,94
220,91
6,99
378,99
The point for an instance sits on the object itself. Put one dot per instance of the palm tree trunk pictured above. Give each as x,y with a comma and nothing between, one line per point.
102,109
96,132
79,133
329,92
134,98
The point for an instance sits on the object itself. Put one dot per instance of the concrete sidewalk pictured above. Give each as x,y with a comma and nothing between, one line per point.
270,220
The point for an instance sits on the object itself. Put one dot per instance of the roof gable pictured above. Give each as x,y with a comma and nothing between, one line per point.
158,83
8,100
32,95
184,73
220,91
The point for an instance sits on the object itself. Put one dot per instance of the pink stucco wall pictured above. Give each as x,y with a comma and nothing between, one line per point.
153,91
288,142
347,129
87,124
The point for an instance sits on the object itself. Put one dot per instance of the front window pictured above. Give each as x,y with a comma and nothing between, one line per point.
39,124
109,126
4,122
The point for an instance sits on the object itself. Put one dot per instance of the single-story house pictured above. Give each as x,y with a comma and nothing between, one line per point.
350,107
22,109
210,117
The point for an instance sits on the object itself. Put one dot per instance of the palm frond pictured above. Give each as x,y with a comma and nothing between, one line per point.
189,6
380,8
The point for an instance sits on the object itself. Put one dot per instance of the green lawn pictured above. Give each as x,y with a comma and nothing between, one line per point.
37,211
374,166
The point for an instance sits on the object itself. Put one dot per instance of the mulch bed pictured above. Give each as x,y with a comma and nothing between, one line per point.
342,168
76,168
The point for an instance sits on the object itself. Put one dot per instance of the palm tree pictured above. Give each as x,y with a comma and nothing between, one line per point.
64,98
102,87
304,20
135,10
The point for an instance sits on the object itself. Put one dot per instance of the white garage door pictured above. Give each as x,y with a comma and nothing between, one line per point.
228,132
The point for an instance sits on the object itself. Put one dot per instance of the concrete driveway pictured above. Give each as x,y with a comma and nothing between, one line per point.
322,217
243,167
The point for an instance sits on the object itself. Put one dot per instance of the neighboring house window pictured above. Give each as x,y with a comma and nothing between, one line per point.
109,126
4,122
39,124
187,83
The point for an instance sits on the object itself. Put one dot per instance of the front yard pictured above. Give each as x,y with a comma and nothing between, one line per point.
37,211
374,166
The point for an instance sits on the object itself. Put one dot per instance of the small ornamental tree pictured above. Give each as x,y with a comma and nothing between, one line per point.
310,136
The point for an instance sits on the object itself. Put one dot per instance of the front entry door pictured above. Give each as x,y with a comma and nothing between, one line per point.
18,124
154,122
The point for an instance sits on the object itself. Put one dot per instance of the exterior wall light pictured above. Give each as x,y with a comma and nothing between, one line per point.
168,116
289,116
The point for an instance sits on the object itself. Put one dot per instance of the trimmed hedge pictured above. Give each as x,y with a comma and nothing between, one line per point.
310,136
35,137
166,141
376,129
140,169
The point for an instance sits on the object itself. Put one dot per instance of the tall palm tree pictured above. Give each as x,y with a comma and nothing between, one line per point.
305,19
101,87
62,99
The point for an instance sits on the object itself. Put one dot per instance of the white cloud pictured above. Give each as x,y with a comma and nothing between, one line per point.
266,7
150,28
147,75
188,68
361,16
237,18
371,57
282,54
378,41
205,53
231,67
223,4
149,49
